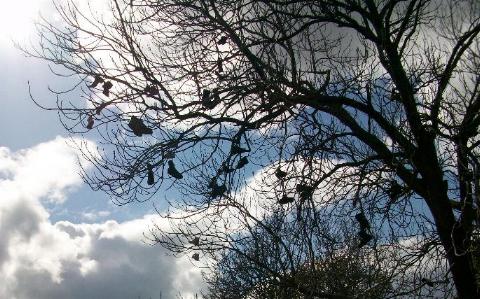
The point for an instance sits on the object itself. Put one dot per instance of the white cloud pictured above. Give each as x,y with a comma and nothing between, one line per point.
46,170
41,259
95,215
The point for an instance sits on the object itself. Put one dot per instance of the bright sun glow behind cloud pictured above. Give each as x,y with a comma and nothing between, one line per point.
17,17
17,20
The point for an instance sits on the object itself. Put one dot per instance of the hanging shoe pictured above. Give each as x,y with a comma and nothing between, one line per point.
106,88
223,40
395,191
138,127
151,91
150,176
207,100
96,81
216,189
280,174
172,170
237,150
286,199
364,238
195,241
226,169
362,220
90,122
427,282
305,192
220,65
242,162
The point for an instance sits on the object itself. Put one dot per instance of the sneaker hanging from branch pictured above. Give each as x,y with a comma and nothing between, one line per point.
168,155
97,80
286,199
207,101
150,176
237,150
305,192
363,234
226,168
172,170
106,88
90,122
427,282
242,162
395,191
365,237
151,91
220,65
362,220
195,241
138,127
217,190
280,174
223,40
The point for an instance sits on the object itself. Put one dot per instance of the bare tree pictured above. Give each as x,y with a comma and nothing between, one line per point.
282,259
272,251
365,107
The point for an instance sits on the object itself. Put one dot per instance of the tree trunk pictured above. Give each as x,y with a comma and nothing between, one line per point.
463,272
455,241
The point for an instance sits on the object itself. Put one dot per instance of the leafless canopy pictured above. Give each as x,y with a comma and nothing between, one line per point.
341,108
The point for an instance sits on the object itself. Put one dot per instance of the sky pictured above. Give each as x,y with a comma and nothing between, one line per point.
58,238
